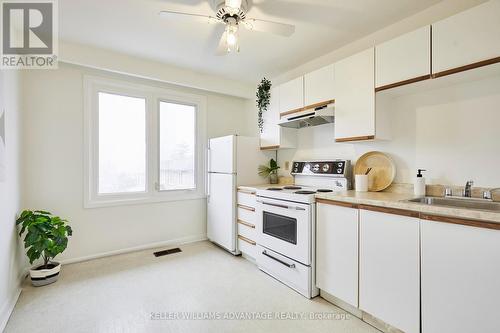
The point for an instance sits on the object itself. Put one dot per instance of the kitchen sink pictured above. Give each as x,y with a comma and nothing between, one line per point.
466,203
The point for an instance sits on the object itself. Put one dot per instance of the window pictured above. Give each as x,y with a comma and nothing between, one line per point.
144,144
177,146
122,144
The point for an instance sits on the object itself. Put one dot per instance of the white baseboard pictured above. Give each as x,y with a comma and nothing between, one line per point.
7,308
178,241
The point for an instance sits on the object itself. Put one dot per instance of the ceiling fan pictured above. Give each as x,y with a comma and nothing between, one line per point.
233,14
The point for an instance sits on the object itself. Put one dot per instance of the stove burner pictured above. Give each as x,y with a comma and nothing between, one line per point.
274,189
323,190
292,187
305,192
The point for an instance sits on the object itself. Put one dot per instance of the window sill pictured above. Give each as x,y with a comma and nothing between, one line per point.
101,203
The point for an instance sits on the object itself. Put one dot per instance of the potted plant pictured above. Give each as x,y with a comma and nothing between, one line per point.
263,100
46,237
270,171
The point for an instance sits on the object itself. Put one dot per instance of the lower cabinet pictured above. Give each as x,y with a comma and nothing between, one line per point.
389,268
337,251
246,221
460,278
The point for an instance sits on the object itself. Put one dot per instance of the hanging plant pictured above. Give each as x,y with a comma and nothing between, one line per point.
263,100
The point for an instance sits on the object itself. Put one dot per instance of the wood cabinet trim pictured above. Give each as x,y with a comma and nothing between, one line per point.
246,208
393,211
247,191
467,67
355,138
249,241
269,147
461,221
405,82
337,203
312,106
250,225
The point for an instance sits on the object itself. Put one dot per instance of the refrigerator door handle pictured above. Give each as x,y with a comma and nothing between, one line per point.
208,173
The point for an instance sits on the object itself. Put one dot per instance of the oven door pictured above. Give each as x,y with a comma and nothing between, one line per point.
285,227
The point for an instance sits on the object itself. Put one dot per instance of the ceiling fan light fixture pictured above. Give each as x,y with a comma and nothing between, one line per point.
232,38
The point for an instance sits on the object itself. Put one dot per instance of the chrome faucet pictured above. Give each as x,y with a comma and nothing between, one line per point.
468,189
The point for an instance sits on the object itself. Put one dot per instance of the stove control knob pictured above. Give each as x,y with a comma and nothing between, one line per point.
326,167
339,165
296,164
339,171
316,168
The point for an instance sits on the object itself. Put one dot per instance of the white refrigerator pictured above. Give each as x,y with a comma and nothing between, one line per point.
232,161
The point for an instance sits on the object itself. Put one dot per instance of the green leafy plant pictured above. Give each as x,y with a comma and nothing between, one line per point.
46,235
266,171
263,100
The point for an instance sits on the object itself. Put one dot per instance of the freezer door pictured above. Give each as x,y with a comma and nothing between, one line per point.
221,154
221,210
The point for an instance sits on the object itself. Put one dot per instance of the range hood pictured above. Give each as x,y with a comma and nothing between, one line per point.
310,117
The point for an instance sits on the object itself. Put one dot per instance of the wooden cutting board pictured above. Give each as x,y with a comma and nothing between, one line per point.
383,170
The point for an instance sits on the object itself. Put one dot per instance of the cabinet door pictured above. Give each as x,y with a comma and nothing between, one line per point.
355,97
270,136
404,58
319,86
466,38
292,95
460,278
337,252
389,269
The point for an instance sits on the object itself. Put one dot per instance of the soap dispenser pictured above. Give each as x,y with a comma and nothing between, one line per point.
419,187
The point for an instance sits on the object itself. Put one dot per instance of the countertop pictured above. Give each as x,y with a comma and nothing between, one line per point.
397,201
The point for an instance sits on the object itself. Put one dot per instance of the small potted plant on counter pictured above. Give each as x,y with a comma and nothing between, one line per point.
270,171
46,237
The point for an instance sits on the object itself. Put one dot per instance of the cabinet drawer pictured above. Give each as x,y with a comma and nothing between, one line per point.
290,272
246,214
247,247
247,230
246,199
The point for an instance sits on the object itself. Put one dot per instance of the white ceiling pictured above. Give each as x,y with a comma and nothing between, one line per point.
134,27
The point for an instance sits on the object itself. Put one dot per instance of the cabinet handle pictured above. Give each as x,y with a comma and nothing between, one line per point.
249,241
246,208
247,224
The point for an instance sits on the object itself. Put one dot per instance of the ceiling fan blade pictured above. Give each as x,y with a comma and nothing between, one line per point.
233,3
222,47
199,17
276,28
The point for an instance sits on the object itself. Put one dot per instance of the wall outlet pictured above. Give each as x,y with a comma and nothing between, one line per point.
287,165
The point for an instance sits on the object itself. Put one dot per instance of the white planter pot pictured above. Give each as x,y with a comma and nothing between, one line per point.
41,277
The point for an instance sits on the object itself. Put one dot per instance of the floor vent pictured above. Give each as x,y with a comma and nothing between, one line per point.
165,252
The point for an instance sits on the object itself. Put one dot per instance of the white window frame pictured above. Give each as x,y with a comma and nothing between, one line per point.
153,96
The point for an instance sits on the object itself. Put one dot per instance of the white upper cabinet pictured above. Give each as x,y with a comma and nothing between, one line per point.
319,86
460,278
466,38
404,58
274,136
337,251
355,97
389,268
291,95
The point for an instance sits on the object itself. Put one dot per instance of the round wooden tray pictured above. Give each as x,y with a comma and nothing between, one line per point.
383,170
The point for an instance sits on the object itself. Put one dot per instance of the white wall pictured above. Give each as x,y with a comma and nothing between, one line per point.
453,132
11,256
53,168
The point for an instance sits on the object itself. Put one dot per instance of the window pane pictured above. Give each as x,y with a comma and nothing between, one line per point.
177,146
122,144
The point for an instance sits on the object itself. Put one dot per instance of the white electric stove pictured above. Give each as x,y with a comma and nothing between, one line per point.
286,222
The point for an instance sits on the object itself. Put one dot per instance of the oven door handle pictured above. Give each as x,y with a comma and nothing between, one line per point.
280,206
278,260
